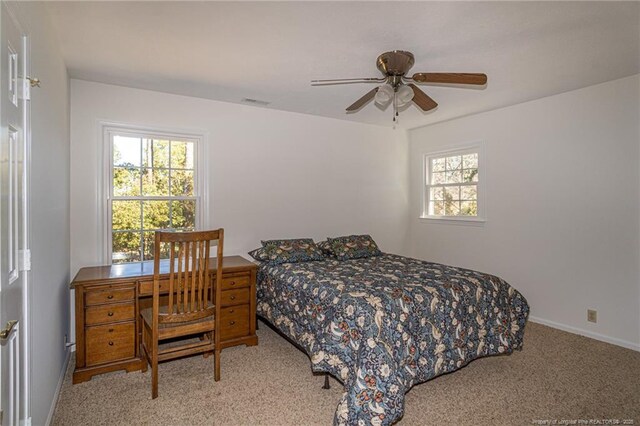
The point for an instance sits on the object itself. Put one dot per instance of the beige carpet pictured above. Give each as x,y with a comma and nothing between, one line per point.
558,376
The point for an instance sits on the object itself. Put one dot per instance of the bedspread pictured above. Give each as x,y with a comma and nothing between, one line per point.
383,324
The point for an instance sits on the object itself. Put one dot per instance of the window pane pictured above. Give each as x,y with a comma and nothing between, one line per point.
125,215
452,193
454,163
470,161
437,208
126,182
451,208
155,214
126,151
437,165
155,182
126,247
468,192
155,153
437,193
469,208
182,183
148,246
437,178
470,175
181,155
454,177
184,214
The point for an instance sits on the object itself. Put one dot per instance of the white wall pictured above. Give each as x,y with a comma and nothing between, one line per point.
563,196
49,215
272,174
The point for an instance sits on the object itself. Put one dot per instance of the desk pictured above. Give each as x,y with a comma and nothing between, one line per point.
108,301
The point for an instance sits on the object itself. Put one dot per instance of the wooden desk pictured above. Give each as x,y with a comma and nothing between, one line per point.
109,299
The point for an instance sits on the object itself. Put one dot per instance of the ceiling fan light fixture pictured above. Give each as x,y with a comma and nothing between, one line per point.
384,94
404,95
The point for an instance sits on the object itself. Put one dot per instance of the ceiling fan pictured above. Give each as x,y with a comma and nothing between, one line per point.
400,89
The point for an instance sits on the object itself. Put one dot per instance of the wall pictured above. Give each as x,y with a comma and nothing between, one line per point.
49,215
562,184
272,174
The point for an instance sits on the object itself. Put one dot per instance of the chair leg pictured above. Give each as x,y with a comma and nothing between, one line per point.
154,371
154,379
216,375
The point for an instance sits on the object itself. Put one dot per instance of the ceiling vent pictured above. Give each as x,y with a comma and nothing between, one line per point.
255,102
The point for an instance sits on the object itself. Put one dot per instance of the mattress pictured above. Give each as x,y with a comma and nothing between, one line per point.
385,323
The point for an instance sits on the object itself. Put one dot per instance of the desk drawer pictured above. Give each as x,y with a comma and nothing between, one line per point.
235,297
232,282
234,322
146,287
108,343
110,313
109,296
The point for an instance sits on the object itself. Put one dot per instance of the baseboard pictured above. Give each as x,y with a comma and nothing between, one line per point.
597,336
56,395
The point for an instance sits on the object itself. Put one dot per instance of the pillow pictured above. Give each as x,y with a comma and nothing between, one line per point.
291,251
325,248
353,247
259,254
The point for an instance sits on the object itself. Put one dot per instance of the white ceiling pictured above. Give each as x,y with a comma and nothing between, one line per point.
270,51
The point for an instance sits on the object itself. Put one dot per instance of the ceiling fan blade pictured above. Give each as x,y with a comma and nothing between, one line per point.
449,77
422,99
347,81
363,100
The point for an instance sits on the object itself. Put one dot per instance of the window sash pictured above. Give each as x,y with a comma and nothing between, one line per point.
196,197
428,176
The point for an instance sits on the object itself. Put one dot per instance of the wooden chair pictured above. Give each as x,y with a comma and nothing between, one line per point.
190,310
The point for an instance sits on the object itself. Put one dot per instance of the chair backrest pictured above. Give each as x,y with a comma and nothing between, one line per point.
190,288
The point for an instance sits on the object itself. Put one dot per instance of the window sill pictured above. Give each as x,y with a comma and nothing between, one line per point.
451,220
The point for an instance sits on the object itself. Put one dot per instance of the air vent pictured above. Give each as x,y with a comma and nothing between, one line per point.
255,102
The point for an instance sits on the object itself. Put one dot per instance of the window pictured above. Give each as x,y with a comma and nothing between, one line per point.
152,186
452,185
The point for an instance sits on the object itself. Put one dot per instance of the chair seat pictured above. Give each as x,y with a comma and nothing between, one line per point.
147,316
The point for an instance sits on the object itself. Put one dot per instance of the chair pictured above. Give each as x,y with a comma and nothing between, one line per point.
189,310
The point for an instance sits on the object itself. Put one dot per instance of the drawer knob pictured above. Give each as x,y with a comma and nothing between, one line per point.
111,330
232,298
232,322
110,296
110,314
110,343
231,311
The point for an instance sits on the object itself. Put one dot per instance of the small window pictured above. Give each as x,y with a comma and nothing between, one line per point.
452,185
153,186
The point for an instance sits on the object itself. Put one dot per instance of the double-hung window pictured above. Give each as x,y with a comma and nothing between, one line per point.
152,186
452,185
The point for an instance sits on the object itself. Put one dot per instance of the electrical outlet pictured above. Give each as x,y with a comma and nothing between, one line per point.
592,315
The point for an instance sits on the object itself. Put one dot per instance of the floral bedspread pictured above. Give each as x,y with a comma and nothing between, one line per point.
383,324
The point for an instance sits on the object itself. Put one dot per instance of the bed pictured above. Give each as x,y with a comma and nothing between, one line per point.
384,323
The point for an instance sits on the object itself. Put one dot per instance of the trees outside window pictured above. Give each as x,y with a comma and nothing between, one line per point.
152,187
451,188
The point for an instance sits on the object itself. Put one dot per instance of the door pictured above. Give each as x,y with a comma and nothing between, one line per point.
13,232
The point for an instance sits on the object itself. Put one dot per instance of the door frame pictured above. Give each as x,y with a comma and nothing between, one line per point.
13,8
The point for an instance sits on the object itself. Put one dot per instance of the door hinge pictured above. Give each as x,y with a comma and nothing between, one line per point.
24,259
24,91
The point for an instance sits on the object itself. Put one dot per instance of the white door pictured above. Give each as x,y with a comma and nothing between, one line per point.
13,232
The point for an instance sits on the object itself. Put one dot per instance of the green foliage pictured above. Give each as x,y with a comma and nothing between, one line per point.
134,221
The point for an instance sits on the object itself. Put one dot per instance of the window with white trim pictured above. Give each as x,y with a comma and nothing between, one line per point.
452,185
152,186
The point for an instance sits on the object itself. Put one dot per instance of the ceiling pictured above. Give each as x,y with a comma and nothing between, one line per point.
271,50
